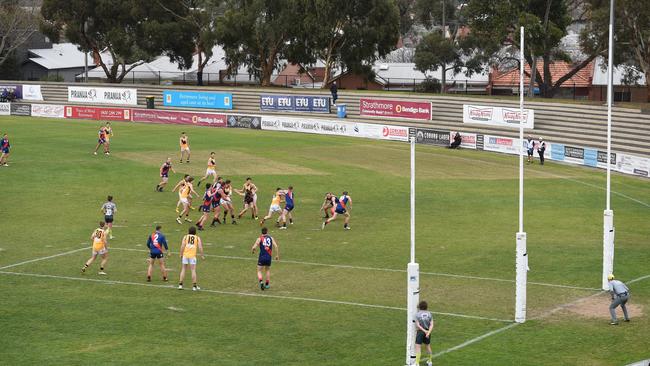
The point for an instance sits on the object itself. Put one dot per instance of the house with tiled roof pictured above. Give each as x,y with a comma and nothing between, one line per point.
624,90
577,86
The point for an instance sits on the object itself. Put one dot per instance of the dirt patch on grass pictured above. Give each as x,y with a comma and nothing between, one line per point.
598,307
228,163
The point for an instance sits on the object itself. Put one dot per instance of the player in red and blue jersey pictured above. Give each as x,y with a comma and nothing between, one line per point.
342,206
156,242
164,174
205,206
267,246
217,192
4,147
101,141
288,207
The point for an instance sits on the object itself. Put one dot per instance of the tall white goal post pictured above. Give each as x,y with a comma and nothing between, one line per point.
413,275
521,261
608,214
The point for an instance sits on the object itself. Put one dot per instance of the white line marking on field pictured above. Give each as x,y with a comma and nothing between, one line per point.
598,187
251,294
43,258
172,308
542,316
120,226
474,340
387,270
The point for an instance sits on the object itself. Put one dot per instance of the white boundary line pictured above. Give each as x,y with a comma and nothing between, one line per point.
539,317
474,340
44,258
236,293
346,266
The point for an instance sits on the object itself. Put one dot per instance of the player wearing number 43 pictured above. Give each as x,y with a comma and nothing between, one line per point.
100,247
190,243
267,245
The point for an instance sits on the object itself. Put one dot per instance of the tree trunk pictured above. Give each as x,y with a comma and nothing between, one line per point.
199,70
328,70
547,85
443,76
647,83
533,76
267,72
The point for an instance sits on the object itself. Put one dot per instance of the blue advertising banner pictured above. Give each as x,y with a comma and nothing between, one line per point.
591,157
295,103
192,99
557,152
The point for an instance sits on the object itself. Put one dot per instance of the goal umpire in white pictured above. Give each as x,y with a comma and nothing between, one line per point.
620,294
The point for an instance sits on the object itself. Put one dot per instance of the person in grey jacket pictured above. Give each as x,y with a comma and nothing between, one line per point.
620,295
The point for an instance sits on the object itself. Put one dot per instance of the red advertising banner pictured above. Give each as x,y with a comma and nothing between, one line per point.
394,109
186,118
98,113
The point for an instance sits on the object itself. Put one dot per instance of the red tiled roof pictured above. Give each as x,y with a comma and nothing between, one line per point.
582,79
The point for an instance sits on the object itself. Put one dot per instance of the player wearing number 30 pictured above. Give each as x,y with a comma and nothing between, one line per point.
109,209
190,243
267,245
100,247
156,243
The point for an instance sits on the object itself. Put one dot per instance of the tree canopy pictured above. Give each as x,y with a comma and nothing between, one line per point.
349,33
130,31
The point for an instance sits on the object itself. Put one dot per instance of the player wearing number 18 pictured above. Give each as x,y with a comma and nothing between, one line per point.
190,243
267,245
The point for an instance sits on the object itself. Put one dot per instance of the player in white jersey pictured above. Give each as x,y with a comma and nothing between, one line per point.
109,209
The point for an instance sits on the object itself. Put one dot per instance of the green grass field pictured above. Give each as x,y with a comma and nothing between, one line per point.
337,297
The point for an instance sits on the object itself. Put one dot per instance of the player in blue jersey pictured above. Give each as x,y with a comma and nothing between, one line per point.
4,147
289,201
164,174
342,206
267,246
156,242
206,205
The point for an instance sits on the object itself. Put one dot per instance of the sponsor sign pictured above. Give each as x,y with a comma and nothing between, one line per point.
17,89
574,154
5,109
480,142
237,121
48,110
32,92
294,103
394,109
631,164
602,159
557,152
431,137
18,109
329,127
306,125
98,113
184,118
94,95
501,144
192,99
591,157
380,132
497,116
